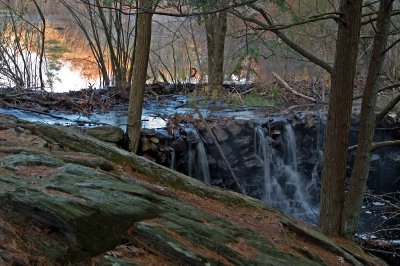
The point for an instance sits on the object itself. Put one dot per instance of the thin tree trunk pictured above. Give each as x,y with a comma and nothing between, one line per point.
142,51
108,34
355,194
196,50
340,104
41,55
216,25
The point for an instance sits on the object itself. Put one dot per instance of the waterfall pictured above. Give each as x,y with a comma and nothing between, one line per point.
313,184
284,186
272,190
173,159
290,146
197,157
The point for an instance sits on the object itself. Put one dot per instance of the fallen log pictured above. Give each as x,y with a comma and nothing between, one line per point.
284,84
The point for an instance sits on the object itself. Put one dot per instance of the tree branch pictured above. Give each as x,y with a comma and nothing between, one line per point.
388,87
284,84
387,109
379,145
270,26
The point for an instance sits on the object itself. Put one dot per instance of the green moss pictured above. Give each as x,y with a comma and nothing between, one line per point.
253,99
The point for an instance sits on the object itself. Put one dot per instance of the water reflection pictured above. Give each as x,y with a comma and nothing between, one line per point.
69,78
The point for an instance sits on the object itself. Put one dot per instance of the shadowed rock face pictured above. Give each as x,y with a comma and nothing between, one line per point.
69,201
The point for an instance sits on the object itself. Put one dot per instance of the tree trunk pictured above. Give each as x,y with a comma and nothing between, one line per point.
355,194
216,25
142,51
340,104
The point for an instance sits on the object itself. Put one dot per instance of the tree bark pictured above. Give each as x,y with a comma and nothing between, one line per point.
355,194
142,51
340,104
216,25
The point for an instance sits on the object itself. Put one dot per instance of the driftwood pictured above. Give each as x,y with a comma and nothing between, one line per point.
214,139
284,84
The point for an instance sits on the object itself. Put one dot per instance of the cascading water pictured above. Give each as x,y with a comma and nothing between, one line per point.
173,160
272,190
290,147
197,157
313,185
284,186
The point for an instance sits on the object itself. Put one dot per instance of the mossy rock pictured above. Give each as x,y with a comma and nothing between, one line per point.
106,133
30,159
90,209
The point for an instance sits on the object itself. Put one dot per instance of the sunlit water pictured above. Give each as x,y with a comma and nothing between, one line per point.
70,79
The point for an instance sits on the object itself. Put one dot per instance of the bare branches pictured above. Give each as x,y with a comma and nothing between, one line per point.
180,12
269,25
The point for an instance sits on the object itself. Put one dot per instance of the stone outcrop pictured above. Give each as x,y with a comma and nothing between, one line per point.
68,198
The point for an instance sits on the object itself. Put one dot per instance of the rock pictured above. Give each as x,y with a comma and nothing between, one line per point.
179,145
153,147
250,124
163,134
226,149
92,214
220,134
251,161
243,151
148,132
106,133
149,157
29,159
145,144
310,120
165,148
275,133
233,127
243,141
154,140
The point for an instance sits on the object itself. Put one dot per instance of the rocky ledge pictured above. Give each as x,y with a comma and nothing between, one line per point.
68,198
